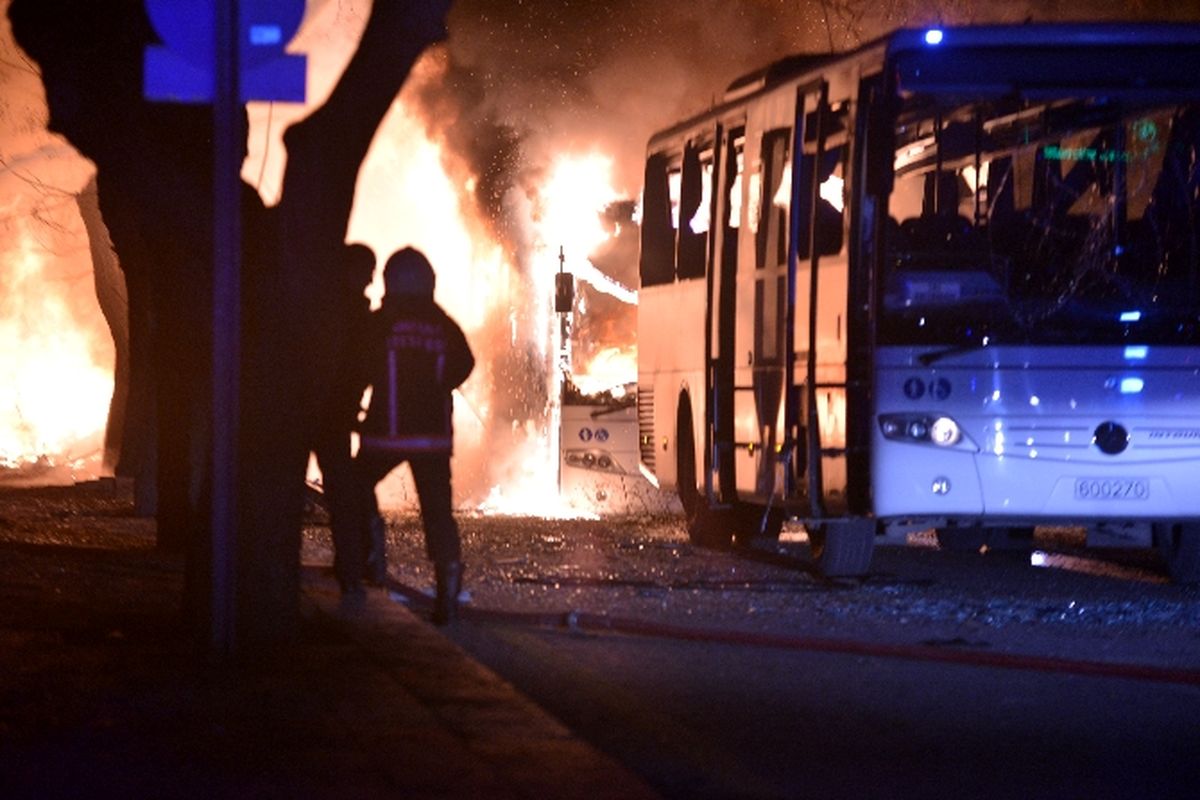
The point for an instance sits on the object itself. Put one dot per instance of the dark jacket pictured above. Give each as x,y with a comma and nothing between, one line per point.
416,357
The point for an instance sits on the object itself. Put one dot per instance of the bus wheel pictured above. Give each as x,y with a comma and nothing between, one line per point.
689,495
1179,545
842,548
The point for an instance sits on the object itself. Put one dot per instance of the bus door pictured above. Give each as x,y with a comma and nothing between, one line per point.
728,192
758,303
767,356
819,291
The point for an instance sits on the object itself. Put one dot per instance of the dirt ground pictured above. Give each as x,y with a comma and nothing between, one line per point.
102,692
77,570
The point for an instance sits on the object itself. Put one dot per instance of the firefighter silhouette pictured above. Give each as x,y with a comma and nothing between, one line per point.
416,356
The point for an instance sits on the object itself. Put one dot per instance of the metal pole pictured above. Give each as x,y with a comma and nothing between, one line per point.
226,342
564,358
816,490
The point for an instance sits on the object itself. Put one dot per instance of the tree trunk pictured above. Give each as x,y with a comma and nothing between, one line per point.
293,343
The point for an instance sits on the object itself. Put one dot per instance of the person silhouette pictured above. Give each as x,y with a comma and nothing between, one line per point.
339,417
415,357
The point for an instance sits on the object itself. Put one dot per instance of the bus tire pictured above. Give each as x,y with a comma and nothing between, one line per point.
843,548
1179,545
685,472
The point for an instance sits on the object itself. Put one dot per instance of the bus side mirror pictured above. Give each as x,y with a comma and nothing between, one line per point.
564,292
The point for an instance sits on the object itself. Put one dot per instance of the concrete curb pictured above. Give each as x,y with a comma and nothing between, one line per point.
494,741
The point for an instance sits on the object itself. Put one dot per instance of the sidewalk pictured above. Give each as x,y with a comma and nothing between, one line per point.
100,695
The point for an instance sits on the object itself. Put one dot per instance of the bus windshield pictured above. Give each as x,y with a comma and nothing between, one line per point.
1060,221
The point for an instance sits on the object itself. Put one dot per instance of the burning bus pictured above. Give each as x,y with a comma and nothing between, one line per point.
948,280
598,453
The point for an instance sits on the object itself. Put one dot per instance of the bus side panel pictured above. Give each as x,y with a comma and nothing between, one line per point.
671,364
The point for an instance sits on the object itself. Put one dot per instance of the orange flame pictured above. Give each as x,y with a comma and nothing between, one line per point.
413,191
54,389
408,195
611,369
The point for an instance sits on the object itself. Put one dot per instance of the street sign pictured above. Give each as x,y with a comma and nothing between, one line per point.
181,69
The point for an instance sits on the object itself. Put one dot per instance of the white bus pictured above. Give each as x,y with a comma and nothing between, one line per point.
598,453
949,280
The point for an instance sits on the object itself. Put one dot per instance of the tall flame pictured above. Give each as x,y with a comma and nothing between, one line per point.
610,370
495,276
54,387
576,191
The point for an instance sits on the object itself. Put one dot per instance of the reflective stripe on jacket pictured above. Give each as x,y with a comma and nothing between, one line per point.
417,357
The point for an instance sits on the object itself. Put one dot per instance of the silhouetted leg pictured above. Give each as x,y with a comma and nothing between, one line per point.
370,469
337,477
432,477
431,474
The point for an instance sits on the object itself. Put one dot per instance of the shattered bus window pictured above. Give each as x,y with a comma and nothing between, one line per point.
1050,223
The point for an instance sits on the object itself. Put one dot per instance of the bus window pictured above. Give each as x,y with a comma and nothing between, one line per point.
695,199
674,190
658,224
1046,222
701,221
737,154
830,203
775,183
735,160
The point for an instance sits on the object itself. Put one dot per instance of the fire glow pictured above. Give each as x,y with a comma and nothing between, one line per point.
413,191
495,257
496,273
54,386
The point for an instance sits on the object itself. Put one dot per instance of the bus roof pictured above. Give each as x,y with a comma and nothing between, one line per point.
1057,34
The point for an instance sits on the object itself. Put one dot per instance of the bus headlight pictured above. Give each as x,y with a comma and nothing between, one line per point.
921,429
918,430
592,460
944,432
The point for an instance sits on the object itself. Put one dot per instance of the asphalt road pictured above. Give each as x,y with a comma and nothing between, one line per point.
721,674
697,719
